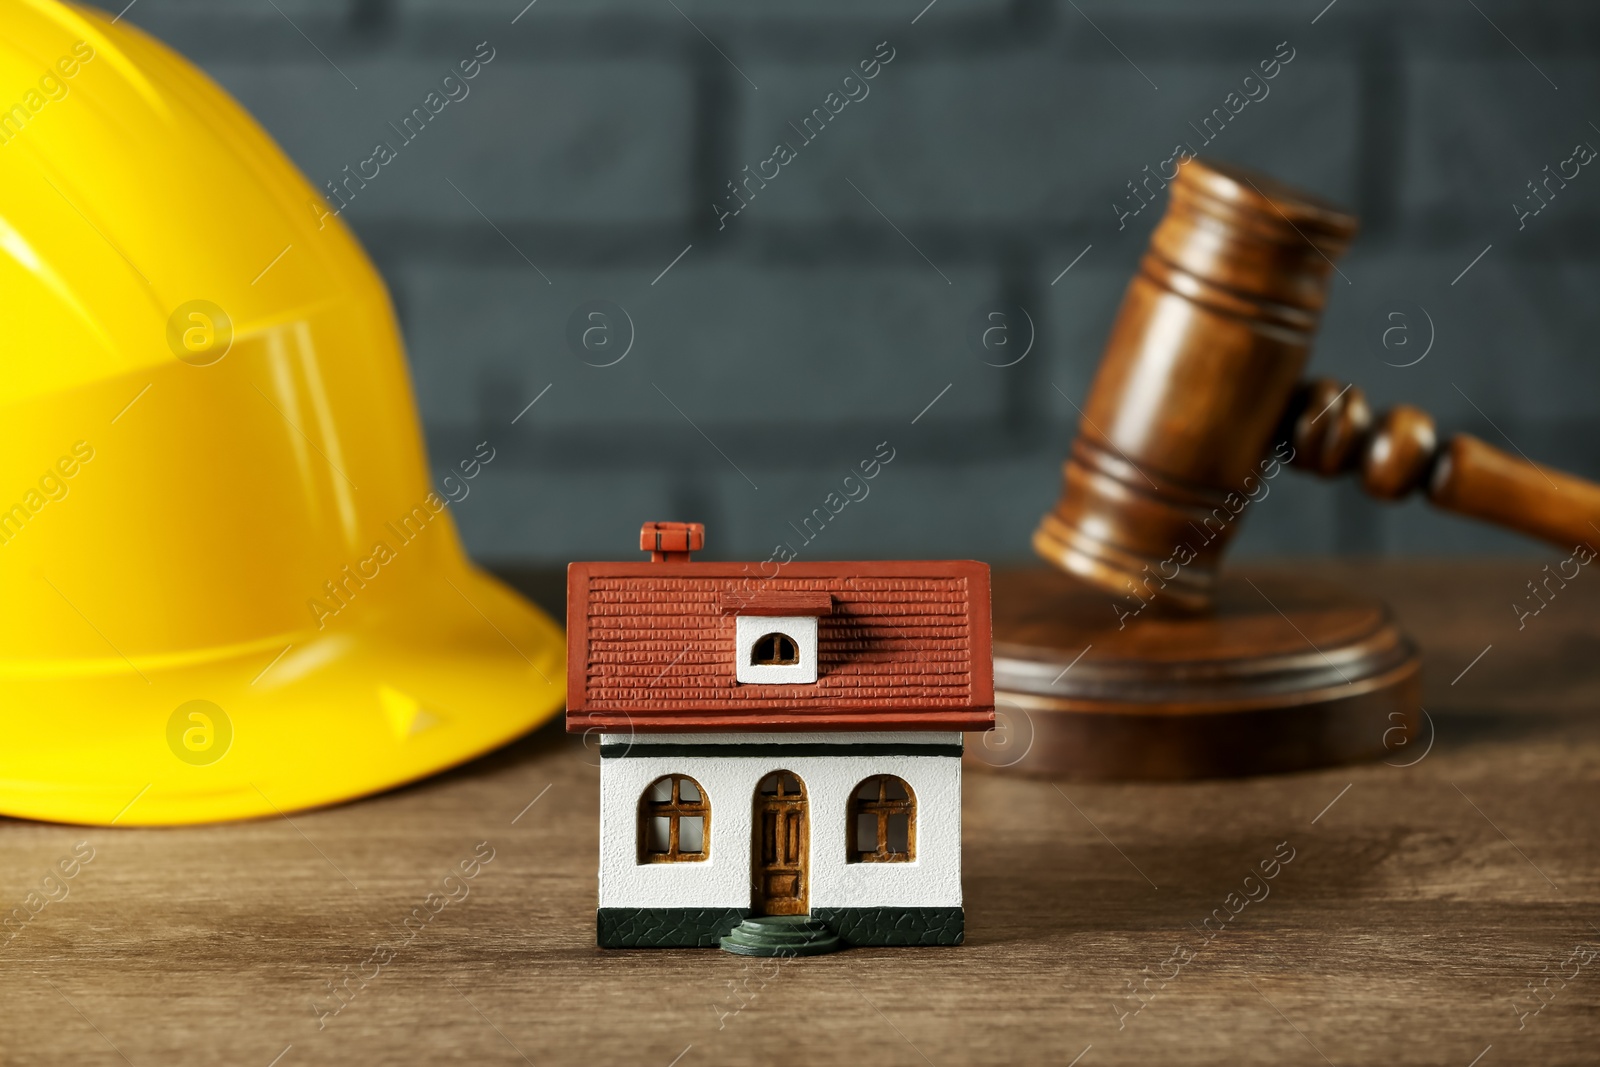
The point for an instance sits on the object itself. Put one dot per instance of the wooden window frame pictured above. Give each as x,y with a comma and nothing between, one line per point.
673,809
775,636
882,807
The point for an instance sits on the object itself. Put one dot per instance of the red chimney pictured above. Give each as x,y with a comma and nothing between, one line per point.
671,542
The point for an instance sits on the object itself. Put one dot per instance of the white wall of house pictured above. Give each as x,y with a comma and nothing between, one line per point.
933,879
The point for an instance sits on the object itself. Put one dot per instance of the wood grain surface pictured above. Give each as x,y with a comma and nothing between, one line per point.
1334,431
1282,674
1177,433
1418,905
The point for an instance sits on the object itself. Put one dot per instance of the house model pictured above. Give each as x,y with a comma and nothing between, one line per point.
780,757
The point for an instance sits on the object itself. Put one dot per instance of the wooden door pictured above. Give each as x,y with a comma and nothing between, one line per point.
780,846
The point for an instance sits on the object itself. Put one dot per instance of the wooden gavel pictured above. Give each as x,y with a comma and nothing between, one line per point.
1198,404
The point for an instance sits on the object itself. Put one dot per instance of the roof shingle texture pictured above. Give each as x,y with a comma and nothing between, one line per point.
889,642
662,644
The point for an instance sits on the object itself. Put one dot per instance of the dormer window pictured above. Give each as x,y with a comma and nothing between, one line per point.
774,650
779,650
775,636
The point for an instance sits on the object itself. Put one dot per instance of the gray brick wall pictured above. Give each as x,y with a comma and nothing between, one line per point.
830,312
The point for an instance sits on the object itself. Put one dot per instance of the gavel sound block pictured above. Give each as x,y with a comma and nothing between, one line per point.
1136,659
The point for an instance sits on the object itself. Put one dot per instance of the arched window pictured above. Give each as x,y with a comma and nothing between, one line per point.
674,821
883,821
774,650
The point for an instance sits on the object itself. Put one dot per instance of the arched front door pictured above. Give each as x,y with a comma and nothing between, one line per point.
780,846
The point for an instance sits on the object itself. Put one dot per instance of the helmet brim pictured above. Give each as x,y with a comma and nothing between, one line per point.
274,729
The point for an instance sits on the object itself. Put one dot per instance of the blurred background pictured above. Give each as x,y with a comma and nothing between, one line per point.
983,172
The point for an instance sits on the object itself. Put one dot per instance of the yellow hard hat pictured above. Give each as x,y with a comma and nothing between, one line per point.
229,589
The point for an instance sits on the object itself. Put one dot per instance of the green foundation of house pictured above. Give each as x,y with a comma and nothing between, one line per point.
705,927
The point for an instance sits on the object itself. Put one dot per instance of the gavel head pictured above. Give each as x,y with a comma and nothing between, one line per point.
1175,441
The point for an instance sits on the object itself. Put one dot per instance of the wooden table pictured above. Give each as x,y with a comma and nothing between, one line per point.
1419,905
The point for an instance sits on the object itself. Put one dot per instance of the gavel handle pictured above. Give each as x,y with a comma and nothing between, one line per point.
1332,431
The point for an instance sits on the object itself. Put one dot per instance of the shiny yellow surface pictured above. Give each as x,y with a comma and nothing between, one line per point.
168,526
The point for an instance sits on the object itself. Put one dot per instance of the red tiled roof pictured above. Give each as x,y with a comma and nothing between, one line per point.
778,604
904,645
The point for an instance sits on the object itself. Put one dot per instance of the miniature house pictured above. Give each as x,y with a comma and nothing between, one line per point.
778,746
